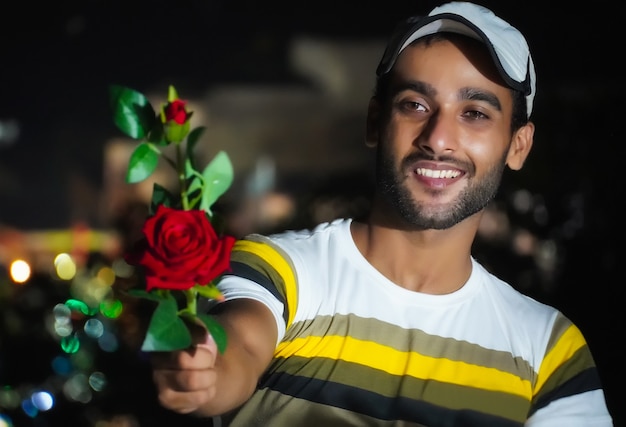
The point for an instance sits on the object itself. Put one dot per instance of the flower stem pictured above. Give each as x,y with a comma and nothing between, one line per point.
191,297
180,169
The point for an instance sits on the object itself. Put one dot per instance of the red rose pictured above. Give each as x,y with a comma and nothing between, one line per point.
181,249
175,110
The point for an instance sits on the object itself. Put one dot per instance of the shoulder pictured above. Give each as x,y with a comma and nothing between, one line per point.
511,297
324,235
531,319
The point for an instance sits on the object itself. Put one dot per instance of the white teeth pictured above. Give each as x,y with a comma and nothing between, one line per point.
437,173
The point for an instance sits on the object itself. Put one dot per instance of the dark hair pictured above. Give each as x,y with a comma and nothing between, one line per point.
519,116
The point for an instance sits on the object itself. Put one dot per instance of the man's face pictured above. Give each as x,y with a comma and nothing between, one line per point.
444,135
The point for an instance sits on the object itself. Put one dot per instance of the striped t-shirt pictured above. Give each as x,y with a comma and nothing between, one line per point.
355,349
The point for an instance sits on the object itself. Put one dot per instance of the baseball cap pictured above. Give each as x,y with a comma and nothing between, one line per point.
505,43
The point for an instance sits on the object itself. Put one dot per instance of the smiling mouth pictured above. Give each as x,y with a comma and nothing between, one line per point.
435,173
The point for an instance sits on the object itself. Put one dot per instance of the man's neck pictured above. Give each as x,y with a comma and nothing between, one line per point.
428,261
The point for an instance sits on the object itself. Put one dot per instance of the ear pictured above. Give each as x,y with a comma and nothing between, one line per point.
520,146
372,123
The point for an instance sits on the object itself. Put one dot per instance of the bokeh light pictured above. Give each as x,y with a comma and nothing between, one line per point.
20,271
65,266
97,381
70,344
29,408
42,400
77,389
93,328
9,398
111,308
61,365
5,421
108,342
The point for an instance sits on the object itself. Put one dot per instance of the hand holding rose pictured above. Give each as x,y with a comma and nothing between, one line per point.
180,250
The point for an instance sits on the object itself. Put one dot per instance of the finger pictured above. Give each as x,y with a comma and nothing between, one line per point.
194,358
184,391
185,380
183,402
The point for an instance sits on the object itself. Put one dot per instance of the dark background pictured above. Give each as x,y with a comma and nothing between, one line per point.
59,58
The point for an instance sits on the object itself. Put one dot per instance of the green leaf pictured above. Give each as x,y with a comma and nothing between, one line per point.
157,134
194,184
218,176
142,293
166,331
192,141
143,162
216,330
132,112
161,196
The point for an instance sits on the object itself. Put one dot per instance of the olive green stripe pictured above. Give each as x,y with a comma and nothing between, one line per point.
561,325
579,362
318,415
260,266
412,340
270,261
446,395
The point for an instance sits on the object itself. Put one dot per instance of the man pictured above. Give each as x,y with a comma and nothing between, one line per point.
391,321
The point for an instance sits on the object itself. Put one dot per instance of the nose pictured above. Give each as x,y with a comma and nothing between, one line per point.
439,135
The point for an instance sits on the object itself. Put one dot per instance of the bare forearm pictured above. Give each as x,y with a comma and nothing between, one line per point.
251,333
237,374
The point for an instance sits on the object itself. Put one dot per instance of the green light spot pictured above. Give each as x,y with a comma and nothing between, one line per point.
111,309
70,344
77,305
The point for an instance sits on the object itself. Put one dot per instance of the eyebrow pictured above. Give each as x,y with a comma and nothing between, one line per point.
465,94
473,94
415,86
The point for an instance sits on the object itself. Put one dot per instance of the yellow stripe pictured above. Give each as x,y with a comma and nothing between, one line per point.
278,262
387,359
569,343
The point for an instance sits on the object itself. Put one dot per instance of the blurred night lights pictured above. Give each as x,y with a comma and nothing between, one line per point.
77,389
106,275
108,342
29,408
42,400
97,381
94,328
9,398
122,268
62,365
5,421
91,290
20,271
9,133
70,344
111,308
65,266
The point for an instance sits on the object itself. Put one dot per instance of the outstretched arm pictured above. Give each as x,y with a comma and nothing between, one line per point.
201,381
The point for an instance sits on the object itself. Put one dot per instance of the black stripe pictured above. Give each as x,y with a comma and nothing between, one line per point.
378,406
587,380
240,269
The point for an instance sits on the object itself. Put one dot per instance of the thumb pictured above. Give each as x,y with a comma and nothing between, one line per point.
208,343
200,336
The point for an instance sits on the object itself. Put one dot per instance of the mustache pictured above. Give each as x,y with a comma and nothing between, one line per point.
420,155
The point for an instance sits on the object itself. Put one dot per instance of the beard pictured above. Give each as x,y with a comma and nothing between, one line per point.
424,216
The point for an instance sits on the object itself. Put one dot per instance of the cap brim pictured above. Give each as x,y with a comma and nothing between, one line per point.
445,22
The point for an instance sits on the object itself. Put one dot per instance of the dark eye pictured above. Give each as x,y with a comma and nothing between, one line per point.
475,115
414,106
